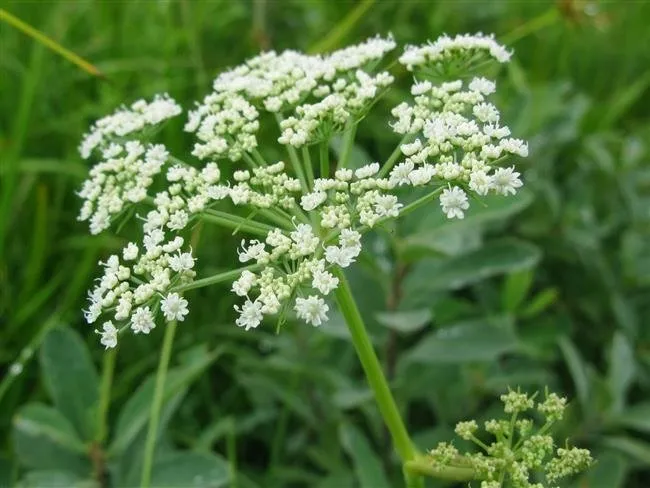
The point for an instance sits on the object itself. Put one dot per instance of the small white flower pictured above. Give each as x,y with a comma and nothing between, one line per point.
250,315
482,85
130,252
324,281
344,257
453,202
108,335
142,320
400,173
367,171
387,206
312,200
181,262
174,307
480,182
505,181
243,284
312,310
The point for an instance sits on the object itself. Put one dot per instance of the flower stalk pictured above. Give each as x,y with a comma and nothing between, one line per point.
373,371
157,403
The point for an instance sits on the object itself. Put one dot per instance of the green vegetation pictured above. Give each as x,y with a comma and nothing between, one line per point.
457,311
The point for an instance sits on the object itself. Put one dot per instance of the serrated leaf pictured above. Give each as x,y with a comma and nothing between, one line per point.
474,340
45,439
404,321
184,469
70,378
367,466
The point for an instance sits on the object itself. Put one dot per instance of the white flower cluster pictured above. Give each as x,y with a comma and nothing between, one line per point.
128,120
458,139
310,227
320,94
298,262
133,288
123,177
463,47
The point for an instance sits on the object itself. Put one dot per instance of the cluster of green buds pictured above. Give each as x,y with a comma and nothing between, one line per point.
514,451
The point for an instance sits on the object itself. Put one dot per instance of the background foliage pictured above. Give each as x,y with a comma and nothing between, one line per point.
549,288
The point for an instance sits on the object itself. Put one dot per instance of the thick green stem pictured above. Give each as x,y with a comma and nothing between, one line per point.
108,367
373,370
348,141
424,467
324,155
156,404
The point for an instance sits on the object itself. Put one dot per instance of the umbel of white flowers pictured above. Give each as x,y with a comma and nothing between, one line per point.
452,140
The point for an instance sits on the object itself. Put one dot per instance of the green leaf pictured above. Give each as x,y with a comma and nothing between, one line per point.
55,479
38,420
135,414
577,369
468,341
406,321
451,274
187,469
6,472
515,289
622,369
635,417
367,466
636,449
608,472
494,208
45,439
70,378
540,302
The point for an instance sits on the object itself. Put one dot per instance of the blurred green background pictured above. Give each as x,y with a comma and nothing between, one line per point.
549,288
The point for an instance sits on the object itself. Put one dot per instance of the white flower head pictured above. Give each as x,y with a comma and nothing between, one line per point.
174,307
108,335
506,181
142,321
250,314
312,310
454,202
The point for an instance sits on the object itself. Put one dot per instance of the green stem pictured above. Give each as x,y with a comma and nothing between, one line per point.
215,279
156,404
108,368
274,216
394,156
293,156
324,156
297,168
235,222
309,170
348,141
373,370
424,467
